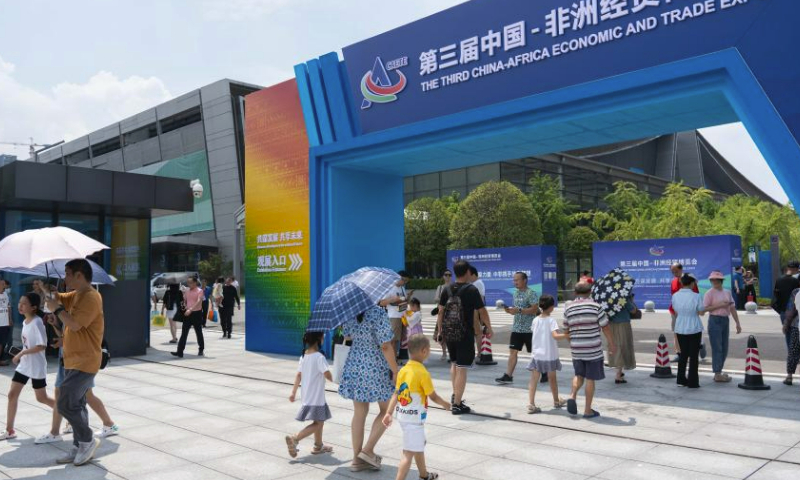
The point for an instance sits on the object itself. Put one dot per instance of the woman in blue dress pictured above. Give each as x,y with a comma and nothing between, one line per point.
367,377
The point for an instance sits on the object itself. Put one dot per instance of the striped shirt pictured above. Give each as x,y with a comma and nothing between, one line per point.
583,319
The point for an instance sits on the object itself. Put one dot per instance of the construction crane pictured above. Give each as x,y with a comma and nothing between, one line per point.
32,146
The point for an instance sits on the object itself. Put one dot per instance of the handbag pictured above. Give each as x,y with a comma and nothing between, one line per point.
158,320
636,314
340,353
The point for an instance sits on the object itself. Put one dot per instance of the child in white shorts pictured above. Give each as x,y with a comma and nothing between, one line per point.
410,405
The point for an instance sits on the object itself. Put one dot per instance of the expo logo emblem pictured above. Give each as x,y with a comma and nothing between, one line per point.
377,87
657,251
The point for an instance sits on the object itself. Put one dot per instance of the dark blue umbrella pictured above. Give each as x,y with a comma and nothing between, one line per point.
350,296
55,269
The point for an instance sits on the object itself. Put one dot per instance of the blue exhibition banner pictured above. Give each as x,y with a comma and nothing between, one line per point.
485,52
649,261
497,266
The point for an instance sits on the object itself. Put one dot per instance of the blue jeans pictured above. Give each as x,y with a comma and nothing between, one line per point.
718,334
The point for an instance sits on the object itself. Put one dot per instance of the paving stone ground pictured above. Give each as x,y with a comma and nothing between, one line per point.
225,417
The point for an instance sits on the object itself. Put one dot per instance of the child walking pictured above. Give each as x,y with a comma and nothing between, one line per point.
412,318
544,355
31,361
312,372
410,405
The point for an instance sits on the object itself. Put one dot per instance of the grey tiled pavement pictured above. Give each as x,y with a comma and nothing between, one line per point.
225,416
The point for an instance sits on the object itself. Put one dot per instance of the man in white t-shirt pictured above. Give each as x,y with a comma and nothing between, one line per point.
477,283
398,307
5,320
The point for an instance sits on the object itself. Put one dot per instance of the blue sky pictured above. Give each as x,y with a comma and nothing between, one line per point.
70,67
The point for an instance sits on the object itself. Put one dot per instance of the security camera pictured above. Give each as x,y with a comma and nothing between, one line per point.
197,188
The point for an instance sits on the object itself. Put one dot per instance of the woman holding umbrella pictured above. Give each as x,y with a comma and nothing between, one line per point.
614,292
370,369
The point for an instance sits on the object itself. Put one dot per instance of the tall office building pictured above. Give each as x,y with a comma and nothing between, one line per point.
198,135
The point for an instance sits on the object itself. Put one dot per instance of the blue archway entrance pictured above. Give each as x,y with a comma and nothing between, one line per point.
492,80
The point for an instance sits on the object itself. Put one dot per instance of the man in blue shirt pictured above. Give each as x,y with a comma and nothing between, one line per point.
738,288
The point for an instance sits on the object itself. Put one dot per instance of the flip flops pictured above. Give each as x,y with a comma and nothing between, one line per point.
561,403
594,414
572,407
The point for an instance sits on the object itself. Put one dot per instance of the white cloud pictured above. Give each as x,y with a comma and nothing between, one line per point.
735,144
240,10
70,110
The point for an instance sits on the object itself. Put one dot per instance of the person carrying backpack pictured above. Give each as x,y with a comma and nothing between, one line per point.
458,307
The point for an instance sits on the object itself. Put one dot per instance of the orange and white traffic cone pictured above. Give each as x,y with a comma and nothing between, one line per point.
663,370
486,352
753,379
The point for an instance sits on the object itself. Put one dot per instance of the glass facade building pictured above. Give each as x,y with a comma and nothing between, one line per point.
197,136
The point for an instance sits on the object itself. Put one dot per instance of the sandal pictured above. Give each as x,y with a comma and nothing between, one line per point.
534,409
594,414
374,460
319,449
561,403
620,380
291,444
430,476
360,467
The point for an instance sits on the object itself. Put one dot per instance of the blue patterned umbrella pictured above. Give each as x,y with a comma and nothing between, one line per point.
351,296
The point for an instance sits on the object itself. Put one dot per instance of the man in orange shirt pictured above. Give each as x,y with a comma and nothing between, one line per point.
81,313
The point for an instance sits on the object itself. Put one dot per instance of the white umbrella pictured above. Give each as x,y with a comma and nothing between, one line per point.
33,247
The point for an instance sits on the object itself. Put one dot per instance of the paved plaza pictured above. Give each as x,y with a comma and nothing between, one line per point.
225,417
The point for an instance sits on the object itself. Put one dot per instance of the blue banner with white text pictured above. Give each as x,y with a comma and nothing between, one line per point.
649,262
497,266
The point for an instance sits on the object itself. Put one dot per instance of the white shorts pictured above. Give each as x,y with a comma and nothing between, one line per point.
413,437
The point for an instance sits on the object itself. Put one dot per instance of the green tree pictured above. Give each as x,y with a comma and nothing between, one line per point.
628,214
427,229
679,212
213,268
496,214
553,209
580,239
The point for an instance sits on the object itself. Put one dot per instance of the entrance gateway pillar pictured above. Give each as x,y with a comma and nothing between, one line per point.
326,152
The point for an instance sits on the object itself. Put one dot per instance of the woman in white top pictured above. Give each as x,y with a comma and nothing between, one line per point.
31,362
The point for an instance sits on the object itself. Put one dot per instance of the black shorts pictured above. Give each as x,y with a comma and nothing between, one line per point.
589,369
23,379
463,352
519,340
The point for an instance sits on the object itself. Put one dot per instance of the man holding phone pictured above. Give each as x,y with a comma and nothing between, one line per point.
398,306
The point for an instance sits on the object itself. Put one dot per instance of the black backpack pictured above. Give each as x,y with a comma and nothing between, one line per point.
453,327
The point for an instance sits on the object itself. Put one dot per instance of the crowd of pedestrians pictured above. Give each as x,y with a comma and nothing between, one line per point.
373,371
76,316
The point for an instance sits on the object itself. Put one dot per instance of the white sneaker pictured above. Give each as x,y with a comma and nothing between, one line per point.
47,438
67,429
107,431
6,435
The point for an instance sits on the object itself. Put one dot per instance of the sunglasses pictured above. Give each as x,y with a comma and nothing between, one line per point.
448,274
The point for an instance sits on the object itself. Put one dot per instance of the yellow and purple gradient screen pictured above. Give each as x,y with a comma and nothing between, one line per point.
277,247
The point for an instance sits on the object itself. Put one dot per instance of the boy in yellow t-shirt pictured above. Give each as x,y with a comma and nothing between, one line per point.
410,405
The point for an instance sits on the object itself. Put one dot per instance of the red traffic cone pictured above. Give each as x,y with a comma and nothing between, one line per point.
753,380
486,352
663,369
